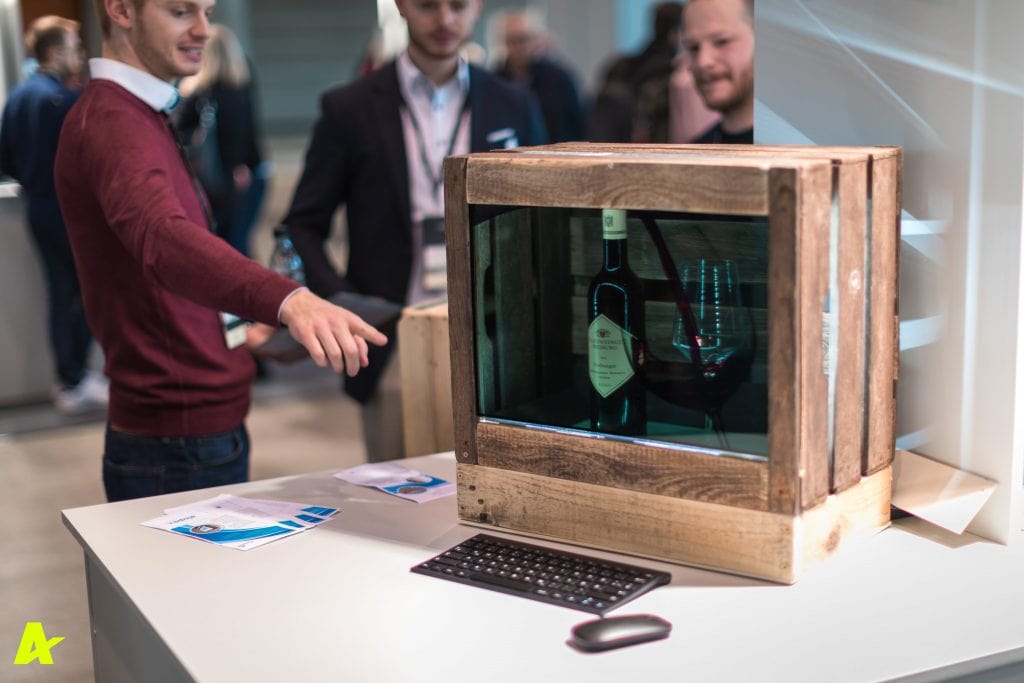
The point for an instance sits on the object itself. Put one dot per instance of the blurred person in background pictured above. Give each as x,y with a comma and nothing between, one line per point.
32,120
377,149
220,101
719,42
689,117
527,60
632,104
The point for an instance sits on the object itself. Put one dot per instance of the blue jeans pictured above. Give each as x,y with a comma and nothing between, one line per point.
139,466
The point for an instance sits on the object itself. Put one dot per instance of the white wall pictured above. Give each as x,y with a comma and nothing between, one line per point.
300,49
11,49
26,362
944,80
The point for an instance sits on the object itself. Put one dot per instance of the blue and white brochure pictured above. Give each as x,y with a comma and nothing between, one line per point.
241,523
398,481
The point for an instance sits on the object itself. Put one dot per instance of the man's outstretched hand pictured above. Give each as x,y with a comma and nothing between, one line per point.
332,334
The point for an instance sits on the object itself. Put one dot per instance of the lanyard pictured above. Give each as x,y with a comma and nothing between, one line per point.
211,223
438,178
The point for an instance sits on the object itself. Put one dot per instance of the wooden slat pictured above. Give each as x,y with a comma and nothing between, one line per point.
517,179
416,436
752,543
850,408
441,363
835,153
732,539
783,348
840,153
814,207
844,518
723,479
884,346
425,360
460,309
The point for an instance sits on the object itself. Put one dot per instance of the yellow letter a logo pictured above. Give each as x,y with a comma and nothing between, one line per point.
34,645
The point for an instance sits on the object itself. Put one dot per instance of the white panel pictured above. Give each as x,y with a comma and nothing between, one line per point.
586,40
11,48
26,363
302,47
944,79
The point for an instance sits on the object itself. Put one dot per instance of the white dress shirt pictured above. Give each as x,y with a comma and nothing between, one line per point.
158,94
439,112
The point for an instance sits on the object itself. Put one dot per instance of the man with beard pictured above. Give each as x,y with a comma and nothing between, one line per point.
718,36
154,276
378,149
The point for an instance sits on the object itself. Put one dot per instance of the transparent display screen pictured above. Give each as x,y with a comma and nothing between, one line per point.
635,325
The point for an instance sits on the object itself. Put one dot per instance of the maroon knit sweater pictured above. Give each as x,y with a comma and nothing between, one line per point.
153,276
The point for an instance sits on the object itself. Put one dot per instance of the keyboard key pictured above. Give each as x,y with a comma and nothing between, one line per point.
505,581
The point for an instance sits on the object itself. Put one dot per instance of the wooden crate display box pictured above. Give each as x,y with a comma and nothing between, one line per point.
829,220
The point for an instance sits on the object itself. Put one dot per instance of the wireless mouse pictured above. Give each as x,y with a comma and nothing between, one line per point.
618,631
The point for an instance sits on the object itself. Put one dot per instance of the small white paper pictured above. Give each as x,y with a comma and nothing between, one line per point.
398,481
936,492
241,523
234,329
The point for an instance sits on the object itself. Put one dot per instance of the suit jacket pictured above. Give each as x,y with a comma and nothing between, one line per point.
357,158
555,89
32,119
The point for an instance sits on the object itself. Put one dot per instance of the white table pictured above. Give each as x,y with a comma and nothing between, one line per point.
338,603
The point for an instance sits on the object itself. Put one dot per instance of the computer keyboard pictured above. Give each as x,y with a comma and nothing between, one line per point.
544,574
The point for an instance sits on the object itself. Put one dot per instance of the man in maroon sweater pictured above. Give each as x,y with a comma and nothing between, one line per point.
154,276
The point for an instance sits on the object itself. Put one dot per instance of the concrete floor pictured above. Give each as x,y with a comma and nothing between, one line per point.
300,422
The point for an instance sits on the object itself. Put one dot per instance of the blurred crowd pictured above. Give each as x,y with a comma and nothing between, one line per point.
673,90
180,131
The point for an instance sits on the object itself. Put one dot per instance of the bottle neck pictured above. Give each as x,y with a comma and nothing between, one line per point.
613,229
615,254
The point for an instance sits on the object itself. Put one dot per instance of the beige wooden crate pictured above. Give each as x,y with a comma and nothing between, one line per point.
769,517
424,356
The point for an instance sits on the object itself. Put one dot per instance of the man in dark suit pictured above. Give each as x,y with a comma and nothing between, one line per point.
378,149
529,60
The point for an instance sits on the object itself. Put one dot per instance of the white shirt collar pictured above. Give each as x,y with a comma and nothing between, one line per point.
413,80
158,94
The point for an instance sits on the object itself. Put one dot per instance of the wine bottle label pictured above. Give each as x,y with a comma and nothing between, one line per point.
610,351
613,224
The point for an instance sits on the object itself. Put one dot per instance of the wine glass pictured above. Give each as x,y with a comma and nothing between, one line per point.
716,334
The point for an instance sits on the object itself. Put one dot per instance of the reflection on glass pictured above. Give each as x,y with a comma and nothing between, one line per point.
715,333
698,359
721,326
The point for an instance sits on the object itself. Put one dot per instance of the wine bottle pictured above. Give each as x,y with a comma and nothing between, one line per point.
615,337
